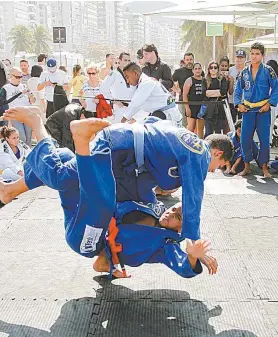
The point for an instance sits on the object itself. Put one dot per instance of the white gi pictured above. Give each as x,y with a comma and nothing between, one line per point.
115,86
151,96
9,163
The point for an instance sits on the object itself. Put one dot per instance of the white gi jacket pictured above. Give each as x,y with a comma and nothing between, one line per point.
9,164
115,86
151,96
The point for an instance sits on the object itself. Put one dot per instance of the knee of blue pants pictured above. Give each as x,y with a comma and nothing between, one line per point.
263,130
32,181
47,166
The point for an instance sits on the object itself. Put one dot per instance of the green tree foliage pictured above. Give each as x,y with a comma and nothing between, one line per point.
21,38
40,40
29,40
195,39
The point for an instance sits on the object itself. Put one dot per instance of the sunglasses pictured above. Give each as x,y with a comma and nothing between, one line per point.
17,77
91,73
213,67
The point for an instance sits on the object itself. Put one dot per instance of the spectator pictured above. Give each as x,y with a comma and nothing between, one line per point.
234,72
32,85
58,124
64,69
224,71
48,80
22,98
215,87
3,74
109,65
91,89
76,83
42,61
24,66
192,91
12,154
155,68
140,57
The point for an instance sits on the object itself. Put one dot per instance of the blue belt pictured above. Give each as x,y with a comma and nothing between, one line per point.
139,135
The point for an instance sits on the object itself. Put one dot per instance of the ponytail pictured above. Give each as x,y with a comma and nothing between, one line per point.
5,131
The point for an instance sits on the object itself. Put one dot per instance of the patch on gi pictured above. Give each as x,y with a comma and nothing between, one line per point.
245,76
191,141
247,85
157,208
90,239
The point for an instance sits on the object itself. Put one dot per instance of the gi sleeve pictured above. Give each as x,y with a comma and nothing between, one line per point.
176,259
7,162
104,88
141,95
273,81
238,93
166,78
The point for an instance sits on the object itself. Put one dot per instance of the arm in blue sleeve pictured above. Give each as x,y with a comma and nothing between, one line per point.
238,91
192,174
174,258
273,100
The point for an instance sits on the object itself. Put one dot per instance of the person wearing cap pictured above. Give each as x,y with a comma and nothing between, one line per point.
155,68
116,86
150,98
256,91
234,71
48,80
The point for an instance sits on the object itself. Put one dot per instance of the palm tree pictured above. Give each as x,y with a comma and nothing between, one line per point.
21,38
194,36
40,40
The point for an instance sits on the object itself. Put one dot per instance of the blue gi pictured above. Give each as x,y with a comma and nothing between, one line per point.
238,152
90,203
173,156
263,89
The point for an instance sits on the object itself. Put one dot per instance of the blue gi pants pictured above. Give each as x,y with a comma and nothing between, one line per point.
87,194
255,121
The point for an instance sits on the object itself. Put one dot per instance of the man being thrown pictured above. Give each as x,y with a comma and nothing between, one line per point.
85,221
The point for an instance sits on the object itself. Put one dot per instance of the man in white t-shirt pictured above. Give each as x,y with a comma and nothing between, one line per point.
234,72
48,80
13,89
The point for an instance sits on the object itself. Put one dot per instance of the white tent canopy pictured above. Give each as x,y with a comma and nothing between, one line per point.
252,13
267,40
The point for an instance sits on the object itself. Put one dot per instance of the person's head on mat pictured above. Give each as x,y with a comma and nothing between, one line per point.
172,218
221,150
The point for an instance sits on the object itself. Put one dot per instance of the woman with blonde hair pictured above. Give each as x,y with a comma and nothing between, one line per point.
76,83
215,88
90,89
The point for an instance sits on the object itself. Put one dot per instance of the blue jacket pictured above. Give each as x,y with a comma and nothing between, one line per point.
264,87
237,146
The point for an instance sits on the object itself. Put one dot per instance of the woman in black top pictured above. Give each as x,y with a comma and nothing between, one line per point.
215,87
192,91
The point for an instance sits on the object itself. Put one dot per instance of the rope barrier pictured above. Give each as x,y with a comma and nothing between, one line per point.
116,100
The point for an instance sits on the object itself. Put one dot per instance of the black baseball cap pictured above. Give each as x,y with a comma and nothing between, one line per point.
241,53
149,48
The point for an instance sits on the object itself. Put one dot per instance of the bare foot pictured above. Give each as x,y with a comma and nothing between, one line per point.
84,129
5,195
244,173
267,174
27,115
102,265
